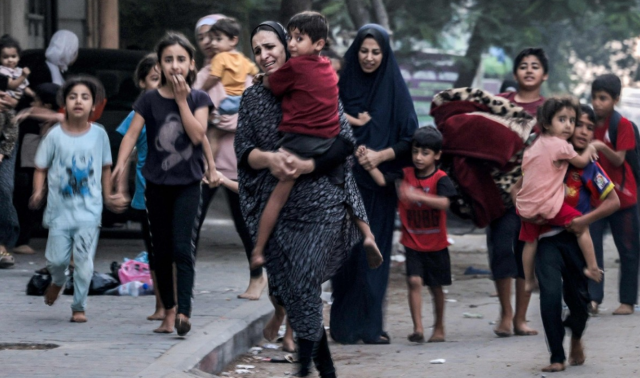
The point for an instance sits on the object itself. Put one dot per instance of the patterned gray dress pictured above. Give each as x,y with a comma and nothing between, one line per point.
315,232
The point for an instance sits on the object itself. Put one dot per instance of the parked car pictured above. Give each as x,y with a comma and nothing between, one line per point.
114,68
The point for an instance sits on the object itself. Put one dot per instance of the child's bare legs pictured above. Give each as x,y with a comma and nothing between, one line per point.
528,264
288,345
438,312
159,313
272,327
374,257
215,135
414,284
592,270
268,220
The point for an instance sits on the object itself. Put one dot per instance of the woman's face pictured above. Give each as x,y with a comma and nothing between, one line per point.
269,52
204,41
369,55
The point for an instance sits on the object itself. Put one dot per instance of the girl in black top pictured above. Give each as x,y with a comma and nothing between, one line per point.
176,118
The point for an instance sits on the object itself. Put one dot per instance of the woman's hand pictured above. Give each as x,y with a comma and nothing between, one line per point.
180,88
298,165
370,159
7,102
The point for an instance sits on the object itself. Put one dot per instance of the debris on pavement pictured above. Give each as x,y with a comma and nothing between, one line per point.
472,315
438,361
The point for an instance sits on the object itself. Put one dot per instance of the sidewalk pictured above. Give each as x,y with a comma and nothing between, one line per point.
117,341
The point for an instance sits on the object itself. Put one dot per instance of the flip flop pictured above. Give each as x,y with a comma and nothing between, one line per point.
416,337
6,260
183,325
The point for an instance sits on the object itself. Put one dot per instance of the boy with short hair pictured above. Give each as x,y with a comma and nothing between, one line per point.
310,119
424,199
530,70
624,223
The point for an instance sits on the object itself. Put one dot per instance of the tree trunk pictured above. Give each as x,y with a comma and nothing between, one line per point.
468,65
380,12
358,12
289,8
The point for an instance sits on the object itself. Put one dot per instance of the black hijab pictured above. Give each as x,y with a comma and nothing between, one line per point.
382,93
278,29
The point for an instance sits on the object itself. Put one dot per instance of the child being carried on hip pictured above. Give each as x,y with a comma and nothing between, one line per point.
541,198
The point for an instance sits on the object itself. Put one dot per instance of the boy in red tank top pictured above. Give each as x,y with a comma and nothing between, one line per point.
424,192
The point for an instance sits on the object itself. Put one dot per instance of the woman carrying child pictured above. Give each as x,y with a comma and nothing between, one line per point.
175,118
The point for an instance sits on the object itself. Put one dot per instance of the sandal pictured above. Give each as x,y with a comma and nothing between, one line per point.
6,260
183,325
382,340
416,337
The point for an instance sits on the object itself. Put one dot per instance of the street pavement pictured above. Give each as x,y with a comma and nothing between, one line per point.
612,343
117,341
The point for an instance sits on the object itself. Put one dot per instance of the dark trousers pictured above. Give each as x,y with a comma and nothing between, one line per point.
625,228
233,199
29,219
505,250
173,220
359,292
559,268
143,218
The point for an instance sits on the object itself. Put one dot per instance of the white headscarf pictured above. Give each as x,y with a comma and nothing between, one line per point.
62,51
208,20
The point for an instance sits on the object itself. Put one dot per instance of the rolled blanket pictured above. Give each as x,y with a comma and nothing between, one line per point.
483,140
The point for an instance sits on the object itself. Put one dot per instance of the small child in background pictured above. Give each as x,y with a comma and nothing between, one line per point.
230,67
75,159
147,78
9,58
310,119
424,192
542,196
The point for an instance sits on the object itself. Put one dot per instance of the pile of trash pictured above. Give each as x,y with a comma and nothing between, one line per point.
132,278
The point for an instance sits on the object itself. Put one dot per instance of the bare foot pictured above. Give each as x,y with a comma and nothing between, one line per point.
257,259
594,308
78,317
288,345
504,328
624,309
168,322
437,336
23,250
594,273
52,294
555,367
522,329
158,315
254,291
374,257
530,285
270,331
576,356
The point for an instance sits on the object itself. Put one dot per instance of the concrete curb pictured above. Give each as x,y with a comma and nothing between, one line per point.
208,350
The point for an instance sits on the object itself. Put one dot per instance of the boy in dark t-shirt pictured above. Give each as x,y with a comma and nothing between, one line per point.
424,192
310,119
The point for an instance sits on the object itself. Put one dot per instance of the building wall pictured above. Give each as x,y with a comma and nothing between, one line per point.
72,15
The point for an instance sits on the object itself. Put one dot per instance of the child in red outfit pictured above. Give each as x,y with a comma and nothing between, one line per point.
541,198
424,198
310,119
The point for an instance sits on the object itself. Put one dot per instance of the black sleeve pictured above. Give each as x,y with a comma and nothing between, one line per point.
445,187
336,154
390,177
4,82
402,149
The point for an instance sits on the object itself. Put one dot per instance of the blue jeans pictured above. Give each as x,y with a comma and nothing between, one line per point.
82,242
625,227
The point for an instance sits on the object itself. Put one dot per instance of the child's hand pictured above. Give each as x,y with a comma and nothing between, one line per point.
117,203
598,144
213,178
577,225
593,152
258,78
36,200
26,72
364,118
180,88
361,151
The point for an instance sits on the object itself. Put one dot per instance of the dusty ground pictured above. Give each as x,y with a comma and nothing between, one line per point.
472,350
